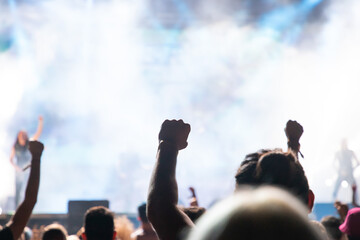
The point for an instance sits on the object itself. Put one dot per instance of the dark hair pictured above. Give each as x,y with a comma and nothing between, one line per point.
246,172
332,225
99,223
17,144
353,238
142,213
281,169
53,234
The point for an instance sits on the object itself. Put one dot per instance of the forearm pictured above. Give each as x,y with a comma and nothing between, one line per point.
354,198
38,130
24,211
33,183
12,162
163,185
17,168
294,146
163,213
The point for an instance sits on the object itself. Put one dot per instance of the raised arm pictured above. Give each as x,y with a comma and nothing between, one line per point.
22,214
162,210
354,203
193,199
293,131
342,210
39,129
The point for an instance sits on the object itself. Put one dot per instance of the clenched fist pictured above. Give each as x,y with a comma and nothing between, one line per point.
293,131
175,132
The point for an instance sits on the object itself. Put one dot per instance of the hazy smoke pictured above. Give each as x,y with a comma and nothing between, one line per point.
105,74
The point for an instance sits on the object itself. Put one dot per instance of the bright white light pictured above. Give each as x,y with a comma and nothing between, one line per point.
329,182
109,82
344,184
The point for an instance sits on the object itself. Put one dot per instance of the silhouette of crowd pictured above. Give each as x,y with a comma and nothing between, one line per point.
272,199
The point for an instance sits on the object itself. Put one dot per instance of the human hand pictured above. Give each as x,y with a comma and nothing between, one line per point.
192,190
175,132
18,169
36,148
293,131
342,209
41,118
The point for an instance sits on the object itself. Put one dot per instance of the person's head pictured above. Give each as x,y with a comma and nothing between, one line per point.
22,138
54,231
275,168
142,213
124,228
27,234
351,224
332,225
320,228
263,213
99,224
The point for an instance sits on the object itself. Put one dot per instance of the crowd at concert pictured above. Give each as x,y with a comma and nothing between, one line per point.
272,199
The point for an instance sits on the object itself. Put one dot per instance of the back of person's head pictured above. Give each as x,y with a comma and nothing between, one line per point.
276,168
124,228
99,224
351,224
142,213
27,234
54,231
332,225
263,213
320,228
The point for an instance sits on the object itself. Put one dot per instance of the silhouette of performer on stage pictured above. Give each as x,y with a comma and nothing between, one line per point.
20,151
347,162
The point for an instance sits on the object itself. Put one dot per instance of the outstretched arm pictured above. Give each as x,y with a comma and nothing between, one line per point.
22,214
162,210
293,131
39,129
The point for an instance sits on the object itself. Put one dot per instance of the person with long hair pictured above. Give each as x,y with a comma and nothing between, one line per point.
20,152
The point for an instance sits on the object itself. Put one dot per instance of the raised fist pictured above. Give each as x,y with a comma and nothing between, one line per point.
175,132
293,131
36,148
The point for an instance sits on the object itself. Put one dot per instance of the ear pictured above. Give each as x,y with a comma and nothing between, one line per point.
114,235
83,236
311,200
